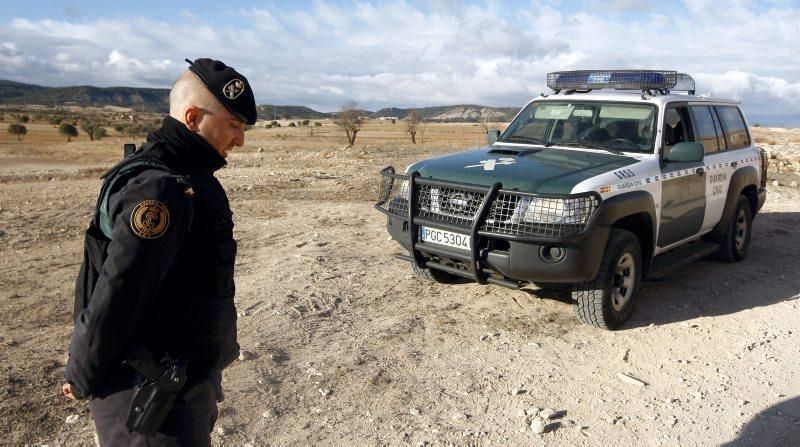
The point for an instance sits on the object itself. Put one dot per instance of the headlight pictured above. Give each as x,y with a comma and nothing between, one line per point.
538,210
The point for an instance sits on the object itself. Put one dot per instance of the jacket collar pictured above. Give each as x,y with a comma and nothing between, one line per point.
182,150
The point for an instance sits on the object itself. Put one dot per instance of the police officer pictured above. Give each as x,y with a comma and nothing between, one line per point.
154,297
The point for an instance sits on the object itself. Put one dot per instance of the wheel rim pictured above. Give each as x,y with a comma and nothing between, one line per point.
624,278
741,230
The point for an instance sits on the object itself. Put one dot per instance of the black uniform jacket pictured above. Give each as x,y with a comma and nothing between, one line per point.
164,280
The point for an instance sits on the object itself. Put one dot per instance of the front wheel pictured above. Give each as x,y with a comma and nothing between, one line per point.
608,301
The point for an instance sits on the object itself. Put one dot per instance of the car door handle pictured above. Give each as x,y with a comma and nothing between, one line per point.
700,171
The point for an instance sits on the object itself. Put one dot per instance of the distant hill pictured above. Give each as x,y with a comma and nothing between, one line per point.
270,112
157,100
461,112
142,99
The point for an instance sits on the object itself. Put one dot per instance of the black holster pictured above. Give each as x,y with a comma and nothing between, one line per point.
154,396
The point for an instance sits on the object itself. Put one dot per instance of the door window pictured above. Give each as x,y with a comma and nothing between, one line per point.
677,128
735,130
706,132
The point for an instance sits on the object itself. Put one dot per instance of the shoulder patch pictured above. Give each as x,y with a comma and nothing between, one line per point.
150,219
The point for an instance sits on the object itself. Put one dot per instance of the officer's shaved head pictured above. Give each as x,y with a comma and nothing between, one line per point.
189,91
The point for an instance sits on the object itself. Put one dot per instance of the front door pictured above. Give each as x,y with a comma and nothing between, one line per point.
683,185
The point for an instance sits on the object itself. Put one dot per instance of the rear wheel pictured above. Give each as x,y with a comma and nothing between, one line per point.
735,241
608,301
435,275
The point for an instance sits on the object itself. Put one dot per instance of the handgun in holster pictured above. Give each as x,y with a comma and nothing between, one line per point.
154,396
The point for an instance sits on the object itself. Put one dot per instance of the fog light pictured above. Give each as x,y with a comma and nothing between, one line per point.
552,253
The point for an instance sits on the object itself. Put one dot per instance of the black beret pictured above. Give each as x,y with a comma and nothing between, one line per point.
228,86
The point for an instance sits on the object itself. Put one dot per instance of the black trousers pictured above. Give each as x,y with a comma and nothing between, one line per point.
187,423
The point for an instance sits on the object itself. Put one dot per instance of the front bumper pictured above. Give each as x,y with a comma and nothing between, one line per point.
503,253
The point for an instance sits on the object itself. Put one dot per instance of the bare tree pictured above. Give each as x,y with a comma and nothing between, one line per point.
89,125
489,118
412,121
350,119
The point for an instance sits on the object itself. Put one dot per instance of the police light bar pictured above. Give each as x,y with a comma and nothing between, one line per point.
662,80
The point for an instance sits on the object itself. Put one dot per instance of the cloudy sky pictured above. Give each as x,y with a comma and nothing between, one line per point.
410,53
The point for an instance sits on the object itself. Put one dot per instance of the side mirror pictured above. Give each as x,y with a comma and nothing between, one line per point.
128,149
686,152
492,136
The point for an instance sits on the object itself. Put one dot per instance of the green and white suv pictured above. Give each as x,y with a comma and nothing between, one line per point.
611,179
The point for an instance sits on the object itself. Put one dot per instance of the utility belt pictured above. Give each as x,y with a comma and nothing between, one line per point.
159,385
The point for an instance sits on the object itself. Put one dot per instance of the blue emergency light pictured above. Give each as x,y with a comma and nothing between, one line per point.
645,80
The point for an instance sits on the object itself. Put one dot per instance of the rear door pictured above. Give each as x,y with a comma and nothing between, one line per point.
683,185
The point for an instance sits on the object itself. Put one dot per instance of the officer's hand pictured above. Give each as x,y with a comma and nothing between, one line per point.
66,390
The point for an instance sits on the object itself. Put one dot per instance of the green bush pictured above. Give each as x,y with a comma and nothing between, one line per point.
17,129
317,123
99,133
292,125
68,130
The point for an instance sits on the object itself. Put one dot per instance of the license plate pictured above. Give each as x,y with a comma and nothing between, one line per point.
443,237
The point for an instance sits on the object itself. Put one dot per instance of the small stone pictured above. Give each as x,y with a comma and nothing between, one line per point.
415,411
793,184
776,183
517,391
533,411
324,392
743,402
270,414
73,418
460,417
223,430
245,355
630,379
538,425
548,413
484,337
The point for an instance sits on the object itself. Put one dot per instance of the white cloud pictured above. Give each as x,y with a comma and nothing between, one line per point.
410,54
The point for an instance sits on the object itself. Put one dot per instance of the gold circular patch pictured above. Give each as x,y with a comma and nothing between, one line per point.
150,219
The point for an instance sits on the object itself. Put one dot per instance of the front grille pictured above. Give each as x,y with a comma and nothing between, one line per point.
449,205
511,213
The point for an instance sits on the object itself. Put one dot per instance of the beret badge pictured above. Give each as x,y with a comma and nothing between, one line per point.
233,88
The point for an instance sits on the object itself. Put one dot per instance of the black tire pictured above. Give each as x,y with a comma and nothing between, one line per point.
735,240
435,275
606,302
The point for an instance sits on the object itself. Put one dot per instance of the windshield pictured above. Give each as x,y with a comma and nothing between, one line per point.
591,124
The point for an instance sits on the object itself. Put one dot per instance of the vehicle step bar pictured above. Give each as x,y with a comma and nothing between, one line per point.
665,263
454,271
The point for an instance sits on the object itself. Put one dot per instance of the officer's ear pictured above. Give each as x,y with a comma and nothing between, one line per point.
191,117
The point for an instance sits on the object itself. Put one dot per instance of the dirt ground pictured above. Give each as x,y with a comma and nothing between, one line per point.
348,348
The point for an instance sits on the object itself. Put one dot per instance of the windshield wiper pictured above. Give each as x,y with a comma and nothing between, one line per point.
609,149
524,139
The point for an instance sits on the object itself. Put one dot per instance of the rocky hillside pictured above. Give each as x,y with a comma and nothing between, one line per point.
456,113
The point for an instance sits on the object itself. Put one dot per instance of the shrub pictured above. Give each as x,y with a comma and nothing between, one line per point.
55,120
317,123
99,133
274,123
292,125
68,130
17,129
305,122
24,119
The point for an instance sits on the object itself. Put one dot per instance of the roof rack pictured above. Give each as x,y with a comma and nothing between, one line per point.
661,81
